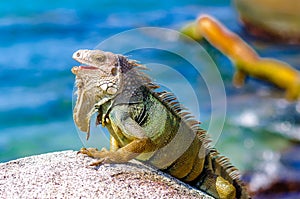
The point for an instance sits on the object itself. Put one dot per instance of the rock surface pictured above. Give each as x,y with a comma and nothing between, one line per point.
68,175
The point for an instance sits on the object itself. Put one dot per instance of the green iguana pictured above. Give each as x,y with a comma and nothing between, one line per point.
147,125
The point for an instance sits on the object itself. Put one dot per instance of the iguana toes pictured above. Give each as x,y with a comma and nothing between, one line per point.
147,125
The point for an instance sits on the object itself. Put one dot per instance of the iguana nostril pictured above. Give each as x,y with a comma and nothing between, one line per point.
78,54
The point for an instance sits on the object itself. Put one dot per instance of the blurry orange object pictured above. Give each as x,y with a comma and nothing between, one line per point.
226,41
247,61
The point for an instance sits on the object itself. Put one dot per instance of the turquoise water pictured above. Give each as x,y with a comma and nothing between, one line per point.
37,39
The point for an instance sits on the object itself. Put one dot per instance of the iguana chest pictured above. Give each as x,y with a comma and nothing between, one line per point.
158,123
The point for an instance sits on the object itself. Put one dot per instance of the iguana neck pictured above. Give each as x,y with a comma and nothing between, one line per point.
134,82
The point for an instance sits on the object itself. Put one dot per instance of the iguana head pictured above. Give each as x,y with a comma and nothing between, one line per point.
98,80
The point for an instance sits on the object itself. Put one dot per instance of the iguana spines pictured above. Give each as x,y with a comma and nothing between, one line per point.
150,126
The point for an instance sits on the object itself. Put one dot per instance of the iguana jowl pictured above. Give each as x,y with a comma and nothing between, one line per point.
147,125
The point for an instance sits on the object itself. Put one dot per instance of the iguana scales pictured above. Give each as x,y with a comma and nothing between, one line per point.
147,125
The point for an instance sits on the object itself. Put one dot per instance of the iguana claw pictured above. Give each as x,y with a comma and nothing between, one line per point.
94,152
98,163
90,151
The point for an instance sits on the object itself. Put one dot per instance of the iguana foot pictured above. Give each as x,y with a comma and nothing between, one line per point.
95,153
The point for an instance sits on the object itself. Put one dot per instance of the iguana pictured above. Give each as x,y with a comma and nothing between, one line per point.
147,125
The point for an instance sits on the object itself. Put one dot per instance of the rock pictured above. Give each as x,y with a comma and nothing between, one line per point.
68,175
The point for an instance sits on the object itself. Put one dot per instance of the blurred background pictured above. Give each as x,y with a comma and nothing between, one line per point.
37,38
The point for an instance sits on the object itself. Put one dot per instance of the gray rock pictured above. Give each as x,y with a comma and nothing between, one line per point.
68,175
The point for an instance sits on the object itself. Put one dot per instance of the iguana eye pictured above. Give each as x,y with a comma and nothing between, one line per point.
99,57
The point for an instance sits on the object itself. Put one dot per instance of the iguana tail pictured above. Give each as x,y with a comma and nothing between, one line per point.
219,173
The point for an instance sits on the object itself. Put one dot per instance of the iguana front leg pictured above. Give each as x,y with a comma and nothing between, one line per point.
128,130
122,155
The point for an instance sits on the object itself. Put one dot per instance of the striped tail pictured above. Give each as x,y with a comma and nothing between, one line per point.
220,178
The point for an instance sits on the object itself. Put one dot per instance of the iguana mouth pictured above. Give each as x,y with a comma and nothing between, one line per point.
88,67
75,69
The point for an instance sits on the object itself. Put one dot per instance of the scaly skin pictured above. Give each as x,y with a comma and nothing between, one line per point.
149,126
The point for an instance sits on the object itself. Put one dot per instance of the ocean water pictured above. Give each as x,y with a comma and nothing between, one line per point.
37,39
